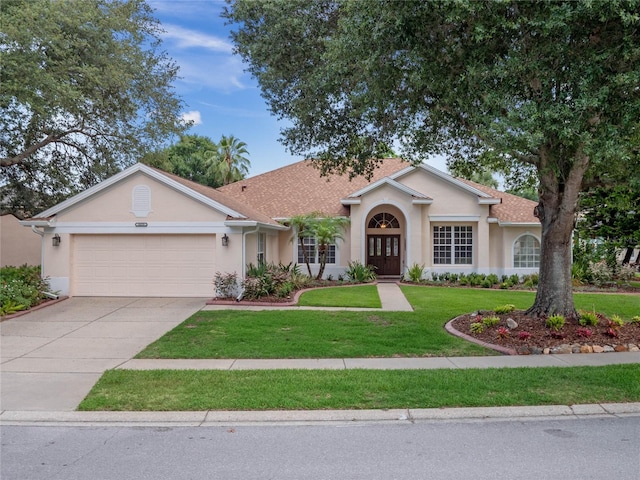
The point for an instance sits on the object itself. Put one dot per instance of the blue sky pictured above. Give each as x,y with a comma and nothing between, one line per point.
220,97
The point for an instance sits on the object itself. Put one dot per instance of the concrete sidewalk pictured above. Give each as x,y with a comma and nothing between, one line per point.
499,361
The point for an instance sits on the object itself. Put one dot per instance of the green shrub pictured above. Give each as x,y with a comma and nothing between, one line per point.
477,327
415,272
358,273
491,321
616,321
531,280
588,318
266,279
492,278
636,319
555,322
226,284
21,288
514,279
502,309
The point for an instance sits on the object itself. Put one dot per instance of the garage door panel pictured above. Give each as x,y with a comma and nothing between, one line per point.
143,265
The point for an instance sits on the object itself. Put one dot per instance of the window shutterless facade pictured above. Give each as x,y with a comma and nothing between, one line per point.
453,245
526,252
312,251
261,248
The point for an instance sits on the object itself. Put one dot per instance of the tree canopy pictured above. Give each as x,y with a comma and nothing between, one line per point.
85,91
543,89
200,159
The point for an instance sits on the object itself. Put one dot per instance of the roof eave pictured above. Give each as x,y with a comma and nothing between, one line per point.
254,223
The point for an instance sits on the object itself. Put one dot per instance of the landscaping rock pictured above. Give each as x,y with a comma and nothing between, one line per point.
536,350
546,351
511,323
561,350
523,350
608,348
634,348
620,348
586,349
597,349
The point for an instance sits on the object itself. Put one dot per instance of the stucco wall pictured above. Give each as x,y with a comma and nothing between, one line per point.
114,204
18,245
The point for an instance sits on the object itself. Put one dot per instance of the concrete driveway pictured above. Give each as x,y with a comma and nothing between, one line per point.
50,358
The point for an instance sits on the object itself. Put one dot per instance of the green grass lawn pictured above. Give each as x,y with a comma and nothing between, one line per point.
321,334
359,296
167,390
317,334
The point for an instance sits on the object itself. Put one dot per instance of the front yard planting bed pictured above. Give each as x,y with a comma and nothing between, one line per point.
174,390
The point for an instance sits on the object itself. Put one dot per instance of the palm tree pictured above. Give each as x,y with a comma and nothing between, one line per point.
229,163
326,231
302,226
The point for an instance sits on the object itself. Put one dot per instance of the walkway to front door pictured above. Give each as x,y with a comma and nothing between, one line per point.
383,252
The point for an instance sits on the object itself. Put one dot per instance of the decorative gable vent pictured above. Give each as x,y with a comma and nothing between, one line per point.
141,204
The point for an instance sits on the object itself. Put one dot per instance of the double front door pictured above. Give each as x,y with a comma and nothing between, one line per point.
383,252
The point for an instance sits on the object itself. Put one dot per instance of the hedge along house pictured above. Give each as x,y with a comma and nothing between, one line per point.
144,232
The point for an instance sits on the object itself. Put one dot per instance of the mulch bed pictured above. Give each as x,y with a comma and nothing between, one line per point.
538,336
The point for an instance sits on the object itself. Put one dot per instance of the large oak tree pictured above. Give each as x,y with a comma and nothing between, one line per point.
85,90
549,88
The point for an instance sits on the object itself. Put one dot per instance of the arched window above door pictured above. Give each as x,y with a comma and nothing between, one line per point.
384,220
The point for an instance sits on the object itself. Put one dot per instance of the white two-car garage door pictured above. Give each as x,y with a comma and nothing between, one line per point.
143,265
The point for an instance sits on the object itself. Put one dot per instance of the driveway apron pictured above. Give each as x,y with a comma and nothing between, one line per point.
50,358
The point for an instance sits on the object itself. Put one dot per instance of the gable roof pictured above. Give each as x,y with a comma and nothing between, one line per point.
417,196
298,188
211,197
512,209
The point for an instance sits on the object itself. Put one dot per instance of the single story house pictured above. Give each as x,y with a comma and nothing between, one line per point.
145,232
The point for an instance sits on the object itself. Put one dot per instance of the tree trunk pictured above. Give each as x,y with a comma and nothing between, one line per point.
322,259
557,212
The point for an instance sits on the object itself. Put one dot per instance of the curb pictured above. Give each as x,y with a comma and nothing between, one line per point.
312,417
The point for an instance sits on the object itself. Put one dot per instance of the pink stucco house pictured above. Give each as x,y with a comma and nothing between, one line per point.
144,232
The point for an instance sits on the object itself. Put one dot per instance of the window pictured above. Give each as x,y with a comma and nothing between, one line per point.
526,252
453,245
312,251
141,200
384,220
261,248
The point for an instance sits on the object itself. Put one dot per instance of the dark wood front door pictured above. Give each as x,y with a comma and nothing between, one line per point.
383,252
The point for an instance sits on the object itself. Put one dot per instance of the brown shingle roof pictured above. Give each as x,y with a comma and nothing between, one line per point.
226,200
511,209
298,189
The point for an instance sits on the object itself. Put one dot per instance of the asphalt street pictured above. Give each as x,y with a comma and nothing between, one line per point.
569,448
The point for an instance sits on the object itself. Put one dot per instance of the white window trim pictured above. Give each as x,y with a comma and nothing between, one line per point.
314,260
452,246
513,250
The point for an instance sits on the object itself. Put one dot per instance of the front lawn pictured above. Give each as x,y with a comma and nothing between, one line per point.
360,296
175,390
344,334
309,334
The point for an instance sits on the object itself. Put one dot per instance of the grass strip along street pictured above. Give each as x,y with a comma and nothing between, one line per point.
196,390
321,334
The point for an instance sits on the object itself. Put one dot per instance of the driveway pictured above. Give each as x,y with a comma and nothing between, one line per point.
50,358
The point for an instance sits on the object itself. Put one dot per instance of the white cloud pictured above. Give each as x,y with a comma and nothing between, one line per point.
186,38
192,116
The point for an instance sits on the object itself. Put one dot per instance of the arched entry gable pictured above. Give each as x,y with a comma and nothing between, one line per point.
386,248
